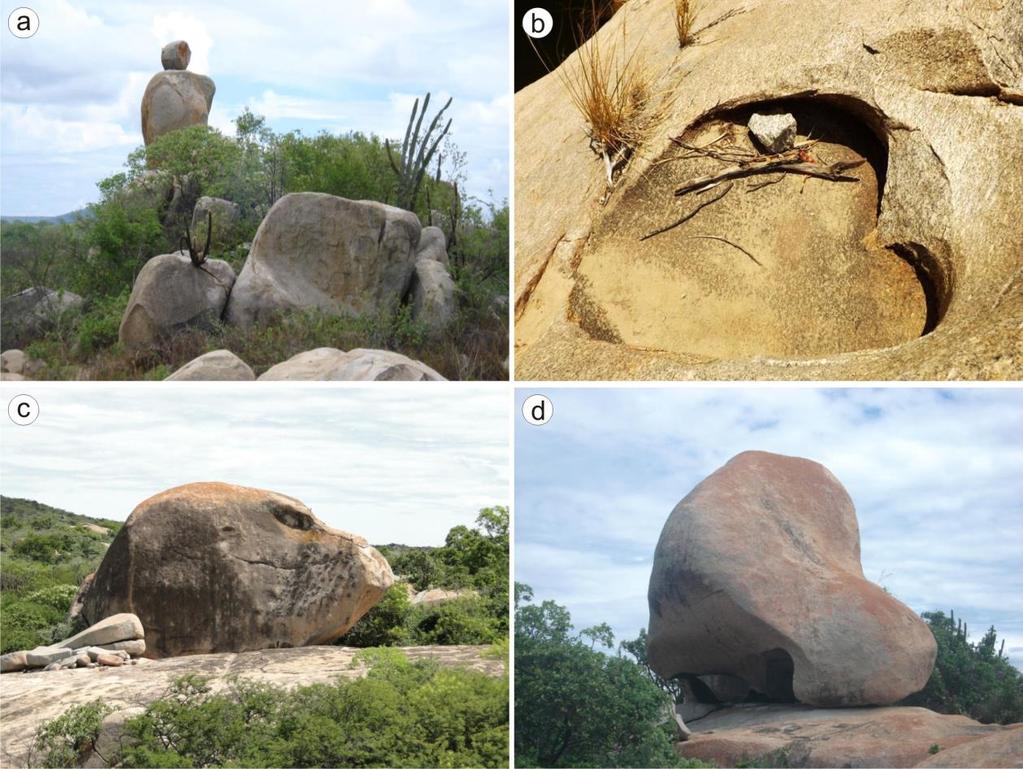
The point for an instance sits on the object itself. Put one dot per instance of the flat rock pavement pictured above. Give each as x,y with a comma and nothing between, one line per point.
28,699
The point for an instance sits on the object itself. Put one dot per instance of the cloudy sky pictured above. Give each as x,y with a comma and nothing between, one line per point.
71,94
392,463
936,477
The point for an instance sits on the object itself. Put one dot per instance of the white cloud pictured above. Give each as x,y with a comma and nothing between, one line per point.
393,464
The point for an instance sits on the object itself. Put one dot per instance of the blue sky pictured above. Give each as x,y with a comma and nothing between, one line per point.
936,477
71,94
390,463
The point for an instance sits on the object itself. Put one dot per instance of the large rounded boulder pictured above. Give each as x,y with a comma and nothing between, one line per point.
313,250
757,575
212,567
171,293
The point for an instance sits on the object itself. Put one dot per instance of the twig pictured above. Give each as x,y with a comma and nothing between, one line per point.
768,183
719,19
691,214
723,240
783,163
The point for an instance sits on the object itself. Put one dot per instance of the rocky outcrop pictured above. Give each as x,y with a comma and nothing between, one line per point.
31,313
225,217
436,596
111,641
433,246
910,272
175,98
797,736
433,296
29,700
330,364
344,257
219,365
757,575
211,567
171,293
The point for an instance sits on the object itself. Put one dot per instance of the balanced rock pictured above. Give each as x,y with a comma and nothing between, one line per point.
211,567
312,250
775,133
170,293
757,575
176,55
433,246
219,365
330,364
175,98
433,295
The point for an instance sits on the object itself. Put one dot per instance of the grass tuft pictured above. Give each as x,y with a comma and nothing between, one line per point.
612,92
685,15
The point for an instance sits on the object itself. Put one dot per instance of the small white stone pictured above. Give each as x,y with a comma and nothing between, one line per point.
775,133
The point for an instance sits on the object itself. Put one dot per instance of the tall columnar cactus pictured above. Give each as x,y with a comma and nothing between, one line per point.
416,152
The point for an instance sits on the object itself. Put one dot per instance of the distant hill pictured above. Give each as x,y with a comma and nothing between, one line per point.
75,536
70,216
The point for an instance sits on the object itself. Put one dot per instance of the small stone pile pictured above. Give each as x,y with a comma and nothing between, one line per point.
111,642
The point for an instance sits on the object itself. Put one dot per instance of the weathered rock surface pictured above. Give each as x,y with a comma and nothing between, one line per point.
109,630
12,362
433,295
211,567
775,133
171,293
176,55
314,250
30,699
800,736
26,315
433,245
219,365
330,364
851,275
757,575
226,216
175,99
12,662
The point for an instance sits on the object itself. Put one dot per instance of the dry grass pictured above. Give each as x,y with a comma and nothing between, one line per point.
612,92
685,15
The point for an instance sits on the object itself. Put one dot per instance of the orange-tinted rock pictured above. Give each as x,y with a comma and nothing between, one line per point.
211,567
891,736
757,575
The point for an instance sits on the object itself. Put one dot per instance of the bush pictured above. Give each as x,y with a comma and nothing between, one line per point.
400,714
971,679
67,739
575,706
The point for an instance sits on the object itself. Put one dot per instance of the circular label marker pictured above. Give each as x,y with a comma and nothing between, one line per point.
537,22
537,409
23,22
23,409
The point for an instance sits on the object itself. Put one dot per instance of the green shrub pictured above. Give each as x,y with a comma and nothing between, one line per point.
67,739
383,625
98,328
972,679
575,706
400,714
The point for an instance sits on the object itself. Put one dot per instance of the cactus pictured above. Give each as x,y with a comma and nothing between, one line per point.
198,257
416,152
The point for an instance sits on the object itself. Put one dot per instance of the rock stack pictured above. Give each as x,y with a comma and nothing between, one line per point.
757,584
111,642
175,98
